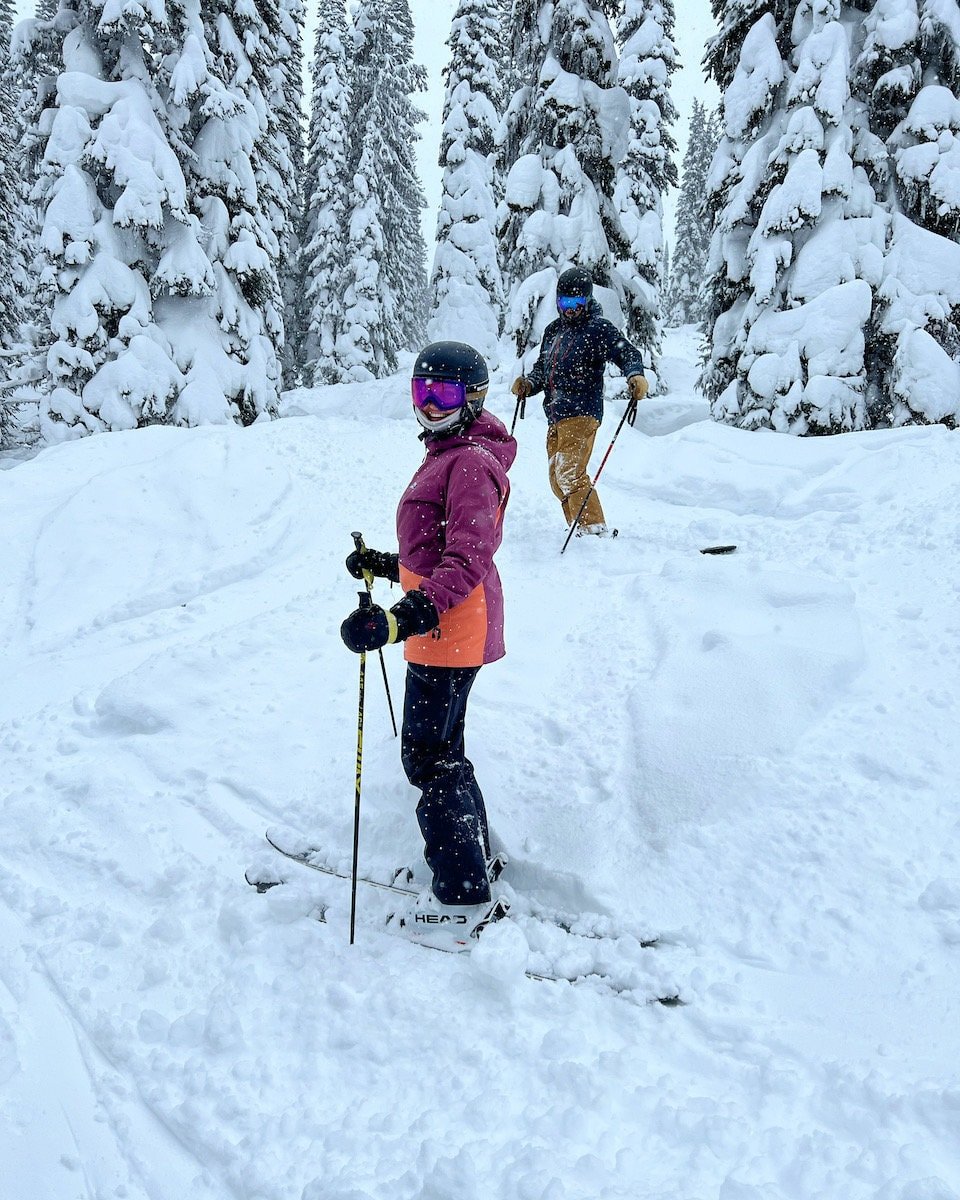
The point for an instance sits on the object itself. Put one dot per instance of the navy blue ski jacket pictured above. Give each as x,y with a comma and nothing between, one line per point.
572,358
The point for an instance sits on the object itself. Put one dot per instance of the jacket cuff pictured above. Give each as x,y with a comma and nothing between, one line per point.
414,614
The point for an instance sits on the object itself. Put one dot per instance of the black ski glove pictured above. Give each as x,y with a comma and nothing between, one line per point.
380,563
371,627
415,614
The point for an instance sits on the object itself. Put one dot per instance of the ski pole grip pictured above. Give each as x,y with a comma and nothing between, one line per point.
358,542
365,600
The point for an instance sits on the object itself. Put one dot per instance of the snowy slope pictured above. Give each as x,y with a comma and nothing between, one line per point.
754,755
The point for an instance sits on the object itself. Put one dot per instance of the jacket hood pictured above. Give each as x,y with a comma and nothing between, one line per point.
486,431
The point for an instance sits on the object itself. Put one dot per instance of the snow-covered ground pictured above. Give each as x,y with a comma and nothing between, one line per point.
754,755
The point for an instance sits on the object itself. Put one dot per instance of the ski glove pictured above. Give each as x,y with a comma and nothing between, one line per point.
380,563
371,627
522,388
638,388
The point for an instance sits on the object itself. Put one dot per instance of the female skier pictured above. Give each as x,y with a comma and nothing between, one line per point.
449,526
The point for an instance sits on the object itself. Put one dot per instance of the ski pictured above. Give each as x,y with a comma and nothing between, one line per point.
401,882
611,533
565,949
308,856
500,908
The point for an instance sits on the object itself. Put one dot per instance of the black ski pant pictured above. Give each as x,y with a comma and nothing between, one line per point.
451,812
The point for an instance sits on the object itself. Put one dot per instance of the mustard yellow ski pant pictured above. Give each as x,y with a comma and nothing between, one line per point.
569,446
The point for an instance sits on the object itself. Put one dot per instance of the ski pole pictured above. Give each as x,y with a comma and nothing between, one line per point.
593,485
365,602
520,410
368,580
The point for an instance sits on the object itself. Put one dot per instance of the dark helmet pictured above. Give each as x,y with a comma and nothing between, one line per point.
575,281
454,362
574,294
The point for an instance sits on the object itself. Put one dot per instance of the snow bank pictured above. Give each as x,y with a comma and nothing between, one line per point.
753,754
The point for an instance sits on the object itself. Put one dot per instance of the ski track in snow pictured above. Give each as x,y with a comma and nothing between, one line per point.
753,755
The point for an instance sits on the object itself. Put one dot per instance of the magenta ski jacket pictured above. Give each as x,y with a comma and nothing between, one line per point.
449,526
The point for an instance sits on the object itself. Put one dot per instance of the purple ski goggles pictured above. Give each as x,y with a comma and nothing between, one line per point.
571,303
445,394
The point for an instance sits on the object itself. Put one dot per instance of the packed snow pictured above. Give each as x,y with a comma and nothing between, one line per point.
751,755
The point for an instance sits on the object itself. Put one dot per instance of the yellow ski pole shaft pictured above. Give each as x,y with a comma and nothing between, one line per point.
365,602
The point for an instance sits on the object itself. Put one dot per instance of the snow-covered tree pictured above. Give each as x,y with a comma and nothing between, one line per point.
648,58
114,197
566,130
160,255
384,281
36,54
14,229
289,99
467,290
910,80
252,212
28,84
327,189
407,251
665,270
692,237
833,272
799,234
508,69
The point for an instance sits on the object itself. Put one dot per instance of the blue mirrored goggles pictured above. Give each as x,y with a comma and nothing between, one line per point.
571,303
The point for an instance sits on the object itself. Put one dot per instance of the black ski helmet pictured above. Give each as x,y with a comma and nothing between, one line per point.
460,363
575,281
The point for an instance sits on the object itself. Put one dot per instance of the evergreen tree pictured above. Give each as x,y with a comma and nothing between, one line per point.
909,77
384,283
28,86
159,242
289,98
507,68
834,274
224,299
327,188
684,302
14,232
245,41
407,251
466,283
567,128
798,239
112,192
648,58
666,268
35,57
